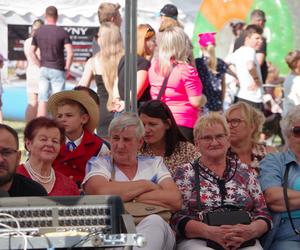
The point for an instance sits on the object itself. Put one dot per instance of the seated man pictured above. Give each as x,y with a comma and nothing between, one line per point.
12,184
272,177
135,178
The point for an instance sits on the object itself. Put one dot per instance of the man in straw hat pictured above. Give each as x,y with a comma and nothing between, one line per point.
78,113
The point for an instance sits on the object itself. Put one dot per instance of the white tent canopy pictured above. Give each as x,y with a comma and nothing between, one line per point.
84,13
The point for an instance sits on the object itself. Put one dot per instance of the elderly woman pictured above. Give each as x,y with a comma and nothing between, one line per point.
43,137
245,123
135,178
162,136
272,176
222,180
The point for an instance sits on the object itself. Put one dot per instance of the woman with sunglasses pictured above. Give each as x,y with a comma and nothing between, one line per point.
213,182
245,123
162,136
146,43
272,176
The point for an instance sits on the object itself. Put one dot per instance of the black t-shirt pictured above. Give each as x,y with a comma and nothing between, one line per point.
23,186
51,40
142,64
239,42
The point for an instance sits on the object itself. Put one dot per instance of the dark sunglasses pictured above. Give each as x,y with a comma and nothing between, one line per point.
150,29
296,131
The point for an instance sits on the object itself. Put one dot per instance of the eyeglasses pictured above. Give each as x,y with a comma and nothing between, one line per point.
296,131
7,152
235,122
210,138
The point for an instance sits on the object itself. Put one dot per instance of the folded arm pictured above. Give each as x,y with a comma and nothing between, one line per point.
167,196
127,190
275,200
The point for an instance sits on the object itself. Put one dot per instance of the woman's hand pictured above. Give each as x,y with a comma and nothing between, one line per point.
217,234
118,105
236,235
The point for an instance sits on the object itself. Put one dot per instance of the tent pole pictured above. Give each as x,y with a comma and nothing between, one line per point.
134,55
130,55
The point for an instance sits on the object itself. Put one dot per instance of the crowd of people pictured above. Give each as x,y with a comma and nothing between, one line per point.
183,151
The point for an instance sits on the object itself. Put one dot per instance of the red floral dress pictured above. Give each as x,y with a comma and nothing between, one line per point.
241,184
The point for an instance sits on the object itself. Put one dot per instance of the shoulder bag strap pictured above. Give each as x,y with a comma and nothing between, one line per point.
164,85
195,166
285,195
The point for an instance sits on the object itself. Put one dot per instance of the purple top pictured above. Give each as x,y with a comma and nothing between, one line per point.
51,39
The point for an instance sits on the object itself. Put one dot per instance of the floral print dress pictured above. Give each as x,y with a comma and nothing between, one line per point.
212,83
242,190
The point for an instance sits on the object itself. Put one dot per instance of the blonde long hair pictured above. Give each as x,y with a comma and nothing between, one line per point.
253,117
173,46
111,51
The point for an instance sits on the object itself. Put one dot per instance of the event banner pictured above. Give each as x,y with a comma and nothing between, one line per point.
83,41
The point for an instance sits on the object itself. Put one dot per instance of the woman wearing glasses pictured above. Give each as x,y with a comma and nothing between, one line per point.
162,136
43,138
245,123
274,168
218,179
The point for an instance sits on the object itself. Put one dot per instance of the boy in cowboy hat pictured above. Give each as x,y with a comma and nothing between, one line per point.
78,113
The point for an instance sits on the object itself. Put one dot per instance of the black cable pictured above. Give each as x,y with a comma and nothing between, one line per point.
83,240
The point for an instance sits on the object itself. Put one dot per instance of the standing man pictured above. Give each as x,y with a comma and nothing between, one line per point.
258,18
247,68
10,182
51,40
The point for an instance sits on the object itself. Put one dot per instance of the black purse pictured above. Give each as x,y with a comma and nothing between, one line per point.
223,215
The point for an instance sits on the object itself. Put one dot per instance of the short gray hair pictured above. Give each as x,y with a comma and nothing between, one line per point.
125,120
288,120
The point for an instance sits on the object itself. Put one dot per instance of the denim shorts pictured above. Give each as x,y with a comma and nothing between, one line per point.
51,82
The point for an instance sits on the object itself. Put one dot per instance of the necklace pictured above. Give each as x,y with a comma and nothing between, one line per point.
38,177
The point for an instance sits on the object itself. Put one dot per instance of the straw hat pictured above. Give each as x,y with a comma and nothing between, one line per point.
79,96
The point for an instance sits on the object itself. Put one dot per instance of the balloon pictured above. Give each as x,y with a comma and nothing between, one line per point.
214,15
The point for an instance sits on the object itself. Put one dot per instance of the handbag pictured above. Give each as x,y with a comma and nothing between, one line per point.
223,215
140,210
